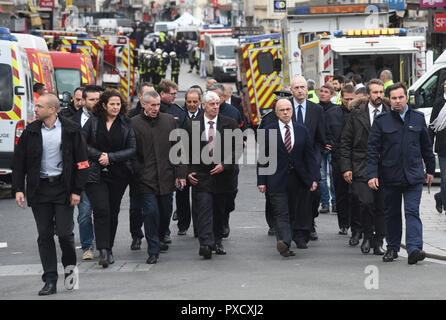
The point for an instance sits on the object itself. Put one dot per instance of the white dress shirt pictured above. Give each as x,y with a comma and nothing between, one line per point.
207,126
283,131
85,116
372,112
51,164
193,114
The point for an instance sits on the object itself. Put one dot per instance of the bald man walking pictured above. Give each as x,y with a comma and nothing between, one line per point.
56,174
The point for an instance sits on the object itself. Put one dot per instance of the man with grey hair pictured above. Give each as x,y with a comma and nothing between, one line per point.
54,183
212,178
387,78
232,112
154,173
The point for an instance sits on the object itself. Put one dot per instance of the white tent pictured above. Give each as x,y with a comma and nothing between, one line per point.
187,19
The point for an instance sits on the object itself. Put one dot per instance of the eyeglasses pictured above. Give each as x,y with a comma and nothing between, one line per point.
173,93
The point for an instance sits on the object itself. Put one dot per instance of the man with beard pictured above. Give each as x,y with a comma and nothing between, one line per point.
353,166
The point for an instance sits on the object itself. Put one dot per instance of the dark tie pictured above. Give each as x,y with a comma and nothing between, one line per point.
300,118
375,113
193,116
288,139
211,138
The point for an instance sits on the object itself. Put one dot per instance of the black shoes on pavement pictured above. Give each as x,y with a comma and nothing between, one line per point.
354,240
324,209
205,252
343,231
378,250
365,246
301,244
103,258
438,202
219,249
110,257
226,232
334,209
390,255
153,258
136,244
415,256
164,247
49,288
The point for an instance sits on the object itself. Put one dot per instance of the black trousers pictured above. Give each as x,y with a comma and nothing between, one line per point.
49,208
230,202
315,199
184,212
268,212
291,211
174,78
105,198
135,212
371,204
210,216
346,202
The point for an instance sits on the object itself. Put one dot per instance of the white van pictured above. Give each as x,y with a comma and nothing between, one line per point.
220,57
190,33
16,99
165,26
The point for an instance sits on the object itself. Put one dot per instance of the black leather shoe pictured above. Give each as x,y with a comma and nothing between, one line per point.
136,244
226,232
365,246
415,256
174,216
163,247
284,250
205,252
438,203
103,261
152,259
390,255
110,257
334,209
324,209
182,232
301,244
354,240
314,236
272,232
167,239
50,287
219,249
343,231
378,250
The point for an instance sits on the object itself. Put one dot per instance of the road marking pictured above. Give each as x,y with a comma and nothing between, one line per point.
84,268
3,245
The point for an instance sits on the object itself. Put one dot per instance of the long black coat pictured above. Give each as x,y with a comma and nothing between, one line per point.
28,158
354,140
224,181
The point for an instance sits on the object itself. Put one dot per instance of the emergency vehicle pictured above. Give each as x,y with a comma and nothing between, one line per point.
77,42
16,98
72,70
39,60
372,50
216,30
119,66
220,57
259,74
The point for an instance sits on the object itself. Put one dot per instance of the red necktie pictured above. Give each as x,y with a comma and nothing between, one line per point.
288,139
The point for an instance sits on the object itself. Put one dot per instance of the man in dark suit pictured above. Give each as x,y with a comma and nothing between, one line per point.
193,102
398,143
353,167
295,176
312,116
212,175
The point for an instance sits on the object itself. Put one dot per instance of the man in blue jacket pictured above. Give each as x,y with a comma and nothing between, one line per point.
398,144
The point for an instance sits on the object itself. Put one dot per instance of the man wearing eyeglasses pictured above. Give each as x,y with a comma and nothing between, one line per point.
346,203
168,91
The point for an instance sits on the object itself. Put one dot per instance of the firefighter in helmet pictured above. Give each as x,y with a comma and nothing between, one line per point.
174,67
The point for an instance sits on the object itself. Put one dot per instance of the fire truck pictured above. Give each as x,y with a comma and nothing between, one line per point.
373,50
77,42
259,74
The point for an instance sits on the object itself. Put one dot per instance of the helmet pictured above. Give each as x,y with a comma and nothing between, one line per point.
165,55
172,54
158,51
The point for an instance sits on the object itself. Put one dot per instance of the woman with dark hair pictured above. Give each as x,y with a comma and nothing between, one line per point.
111,144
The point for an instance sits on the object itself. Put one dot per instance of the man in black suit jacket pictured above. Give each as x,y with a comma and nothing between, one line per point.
182,198
295,176
312,116
211,178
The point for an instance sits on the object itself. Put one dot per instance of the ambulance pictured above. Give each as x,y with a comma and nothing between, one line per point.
39,60
72,70
215,30
16,99
370,50
220,57
77,42
259,74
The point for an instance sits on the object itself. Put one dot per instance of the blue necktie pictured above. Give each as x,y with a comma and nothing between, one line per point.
300,118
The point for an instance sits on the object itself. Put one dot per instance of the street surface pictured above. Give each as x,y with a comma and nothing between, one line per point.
252,269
